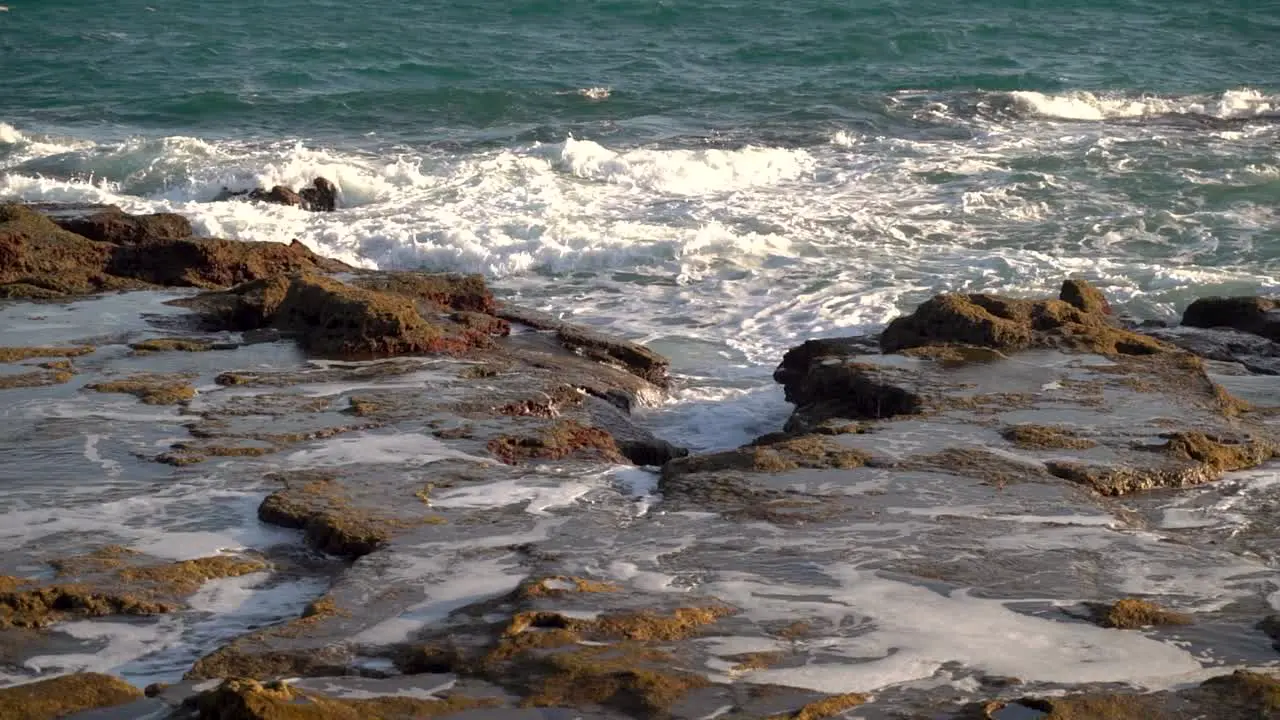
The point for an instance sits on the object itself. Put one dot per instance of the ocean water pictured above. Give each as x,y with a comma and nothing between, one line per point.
719,179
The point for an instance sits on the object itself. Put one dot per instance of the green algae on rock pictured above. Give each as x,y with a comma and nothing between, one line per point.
62,696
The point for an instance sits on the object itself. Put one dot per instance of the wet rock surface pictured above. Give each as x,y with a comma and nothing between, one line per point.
320,196
392,495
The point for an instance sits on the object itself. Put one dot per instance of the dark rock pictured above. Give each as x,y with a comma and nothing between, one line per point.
279,195
654,453
1084,296
636,359
1256,353
1257,315
1009,325
823,383
321,196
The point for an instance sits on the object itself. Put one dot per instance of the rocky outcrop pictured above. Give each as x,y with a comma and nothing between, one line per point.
110,224
214,263
1084,296
320,196
41,259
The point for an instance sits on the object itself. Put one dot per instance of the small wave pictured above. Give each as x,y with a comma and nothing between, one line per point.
680,172
595,93
1231,105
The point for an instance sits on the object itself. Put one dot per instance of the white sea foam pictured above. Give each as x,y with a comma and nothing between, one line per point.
1243,103
912,632
398,449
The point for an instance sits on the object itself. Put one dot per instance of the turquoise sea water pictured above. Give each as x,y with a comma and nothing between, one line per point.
496,70
723,178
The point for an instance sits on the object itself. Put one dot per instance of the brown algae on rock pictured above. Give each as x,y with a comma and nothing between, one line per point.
1134,613
242,699
560,440
44,378
17,354
1046,437
152,389
172,345
825,708
66,695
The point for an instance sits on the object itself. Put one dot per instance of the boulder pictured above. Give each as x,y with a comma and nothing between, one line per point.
1084,296
335,319
320,196
1256,315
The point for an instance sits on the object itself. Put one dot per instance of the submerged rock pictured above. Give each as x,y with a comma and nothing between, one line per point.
63,696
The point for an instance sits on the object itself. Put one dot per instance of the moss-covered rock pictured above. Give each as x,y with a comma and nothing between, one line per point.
1083,295
250,700
446,291
152,389
774,455
317,505
1046,437
560,440
172,345
1010,325
63,696
1134,613
17,354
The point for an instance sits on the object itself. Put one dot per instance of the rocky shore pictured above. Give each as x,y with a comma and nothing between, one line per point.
492,534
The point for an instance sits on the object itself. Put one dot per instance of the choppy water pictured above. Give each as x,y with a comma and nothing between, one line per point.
720,179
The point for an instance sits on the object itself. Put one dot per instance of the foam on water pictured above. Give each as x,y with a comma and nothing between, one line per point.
161,650
537,495
911,632
1242,103
408,449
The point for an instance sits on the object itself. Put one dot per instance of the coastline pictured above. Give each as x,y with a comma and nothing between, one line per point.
492,530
